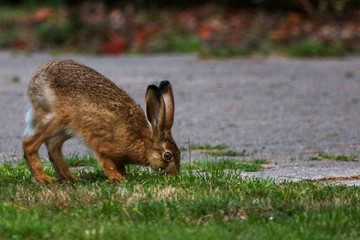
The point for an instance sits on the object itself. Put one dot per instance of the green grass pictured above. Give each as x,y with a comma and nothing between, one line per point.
228,153
225,164
310,48
75,160
11,15
15,79
205,147
341,157
175,41
55,33
194,205
224,52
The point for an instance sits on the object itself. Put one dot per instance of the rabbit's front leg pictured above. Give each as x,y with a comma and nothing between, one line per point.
110,169
54,146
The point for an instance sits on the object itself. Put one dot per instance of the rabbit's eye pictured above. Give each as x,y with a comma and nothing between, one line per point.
167,156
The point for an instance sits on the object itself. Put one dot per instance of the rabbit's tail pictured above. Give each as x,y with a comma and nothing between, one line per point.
30,121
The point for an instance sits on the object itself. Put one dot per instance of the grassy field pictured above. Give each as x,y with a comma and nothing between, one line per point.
206,201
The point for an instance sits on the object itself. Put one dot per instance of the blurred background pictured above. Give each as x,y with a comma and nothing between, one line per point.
208,28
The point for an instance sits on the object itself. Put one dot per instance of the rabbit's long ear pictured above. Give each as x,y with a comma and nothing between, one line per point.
155,107
167,94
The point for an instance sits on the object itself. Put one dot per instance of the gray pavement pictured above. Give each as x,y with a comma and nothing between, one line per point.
284,110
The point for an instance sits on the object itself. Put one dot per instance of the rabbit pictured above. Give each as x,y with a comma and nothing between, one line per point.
69,99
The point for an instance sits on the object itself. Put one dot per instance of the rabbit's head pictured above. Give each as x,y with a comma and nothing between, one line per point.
163,153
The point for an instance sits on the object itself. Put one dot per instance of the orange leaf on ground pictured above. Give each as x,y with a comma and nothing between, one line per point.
115,45
20,45
205,32
42,14
142,35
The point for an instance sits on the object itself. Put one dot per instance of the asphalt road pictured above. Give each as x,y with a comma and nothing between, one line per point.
284,110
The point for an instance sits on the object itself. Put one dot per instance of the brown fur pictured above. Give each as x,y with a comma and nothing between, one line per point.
69,98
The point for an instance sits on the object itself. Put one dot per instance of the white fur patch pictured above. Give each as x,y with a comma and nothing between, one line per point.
46,99
30,122
48,118
49,96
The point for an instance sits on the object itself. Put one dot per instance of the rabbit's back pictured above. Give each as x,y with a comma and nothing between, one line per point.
68,79
76,86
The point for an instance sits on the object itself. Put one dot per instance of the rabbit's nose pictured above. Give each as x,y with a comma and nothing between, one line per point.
172,171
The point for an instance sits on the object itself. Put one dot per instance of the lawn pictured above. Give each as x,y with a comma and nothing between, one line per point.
214,203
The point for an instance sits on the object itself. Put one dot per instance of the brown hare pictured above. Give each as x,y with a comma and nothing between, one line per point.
69,99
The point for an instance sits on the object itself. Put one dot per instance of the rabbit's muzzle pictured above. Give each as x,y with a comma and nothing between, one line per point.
172,169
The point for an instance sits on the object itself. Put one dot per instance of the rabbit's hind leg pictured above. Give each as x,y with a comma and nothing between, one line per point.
54,147
31,144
